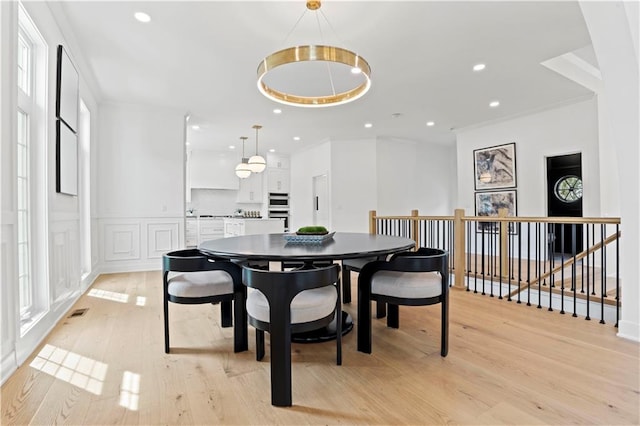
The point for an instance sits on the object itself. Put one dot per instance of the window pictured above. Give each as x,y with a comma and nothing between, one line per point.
568,189
31,173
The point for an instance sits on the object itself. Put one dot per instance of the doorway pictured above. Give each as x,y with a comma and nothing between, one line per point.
564,199
321,201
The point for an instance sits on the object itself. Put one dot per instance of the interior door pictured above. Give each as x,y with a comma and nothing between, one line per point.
321,201
564,198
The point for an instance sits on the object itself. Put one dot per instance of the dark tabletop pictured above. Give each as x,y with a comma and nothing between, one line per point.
344,245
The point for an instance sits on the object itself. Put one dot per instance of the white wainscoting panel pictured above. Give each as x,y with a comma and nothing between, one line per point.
121,242
161,238
137,244
8,320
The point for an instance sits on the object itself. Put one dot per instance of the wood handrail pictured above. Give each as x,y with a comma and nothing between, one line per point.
579,256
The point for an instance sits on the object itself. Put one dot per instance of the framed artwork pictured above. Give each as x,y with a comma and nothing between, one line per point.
66,160
495,167
67,91
489,204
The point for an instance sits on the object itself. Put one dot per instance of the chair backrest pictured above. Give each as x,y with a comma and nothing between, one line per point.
192,260
285,285
422,260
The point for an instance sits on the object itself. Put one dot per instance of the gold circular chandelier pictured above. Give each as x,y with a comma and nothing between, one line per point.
308,53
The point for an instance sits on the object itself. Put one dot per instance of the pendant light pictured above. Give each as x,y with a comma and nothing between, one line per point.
257,164
242,170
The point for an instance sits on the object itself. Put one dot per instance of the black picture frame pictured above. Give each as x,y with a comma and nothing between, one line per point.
488,203
67,90
66,160
495,167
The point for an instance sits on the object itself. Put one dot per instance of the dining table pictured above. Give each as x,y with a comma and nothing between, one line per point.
284,248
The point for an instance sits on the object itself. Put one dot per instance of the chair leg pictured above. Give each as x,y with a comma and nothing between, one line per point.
338,327
444,329
165,300
240,332
225,313
381,309
346,285
364,317
259,345
393,316
280,337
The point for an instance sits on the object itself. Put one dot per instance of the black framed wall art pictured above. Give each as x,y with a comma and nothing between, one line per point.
495,167
67,90
489,204
66,160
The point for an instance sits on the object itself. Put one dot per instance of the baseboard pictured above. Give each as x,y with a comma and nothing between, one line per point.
112,268
8,366
629,330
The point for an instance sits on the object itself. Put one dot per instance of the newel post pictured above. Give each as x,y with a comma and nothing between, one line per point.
373,229
414,228
504,234
458,248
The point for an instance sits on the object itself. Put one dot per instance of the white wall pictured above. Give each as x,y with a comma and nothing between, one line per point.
390,176
141,185
353,184
306,164
64,282
564,130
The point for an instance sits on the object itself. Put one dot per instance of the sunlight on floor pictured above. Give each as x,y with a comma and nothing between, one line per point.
141,301
80,371
109,295
130,390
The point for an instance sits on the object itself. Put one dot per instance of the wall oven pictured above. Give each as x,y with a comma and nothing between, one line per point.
278,201
279,207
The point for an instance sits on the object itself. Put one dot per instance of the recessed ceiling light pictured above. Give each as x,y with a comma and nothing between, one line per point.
430,123
368,125
232,147
272,150
195,127
296,138
277,111
494,104
142,17
479,67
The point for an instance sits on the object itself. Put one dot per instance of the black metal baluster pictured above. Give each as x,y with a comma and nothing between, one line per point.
519,259
588,318
483,229
528,263
593,262
562,270
549,256
603,272
617,275
499,250
538,268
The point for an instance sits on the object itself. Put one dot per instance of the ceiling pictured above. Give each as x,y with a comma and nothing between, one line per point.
201,58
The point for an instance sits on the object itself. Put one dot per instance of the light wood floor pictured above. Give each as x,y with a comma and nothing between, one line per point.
507,364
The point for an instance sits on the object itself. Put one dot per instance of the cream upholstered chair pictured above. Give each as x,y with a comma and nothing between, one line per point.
190,277
411,279
288,302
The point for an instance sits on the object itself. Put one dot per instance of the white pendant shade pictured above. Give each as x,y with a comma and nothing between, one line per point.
257,164
243,171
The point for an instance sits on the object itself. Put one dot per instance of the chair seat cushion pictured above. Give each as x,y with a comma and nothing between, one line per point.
306,306
407,285
357,264
200,284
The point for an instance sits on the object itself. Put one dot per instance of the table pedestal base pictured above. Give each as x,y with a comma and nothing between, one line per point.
326,333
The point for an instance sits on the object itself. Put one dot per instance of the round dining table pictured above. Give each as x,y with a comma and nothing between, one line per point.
276,248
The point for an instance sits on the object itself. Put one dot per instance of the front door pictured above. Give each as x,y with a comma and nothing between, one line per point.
564,198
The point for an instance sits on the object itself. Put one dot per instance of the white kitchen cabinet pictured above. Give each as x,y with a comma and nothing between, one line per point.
278,180
251,189
234,227
213,169
191,232
277,161
210,228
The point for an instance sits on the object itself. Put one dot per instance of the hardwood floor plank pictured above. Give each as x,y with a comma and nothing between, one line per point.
507,364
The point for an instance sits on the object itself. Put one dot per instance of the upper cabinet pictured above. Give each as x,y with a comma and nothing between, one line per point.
251,189
277,161
278,173
212,169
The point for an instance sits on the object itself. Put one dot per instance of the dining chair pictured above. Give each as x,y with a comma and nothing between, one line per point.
410,279
190,277
286,302
356,265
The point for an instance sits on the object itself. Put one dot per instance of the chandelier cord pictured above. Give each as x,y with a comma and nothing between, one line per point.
293,28
257,140
333,88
